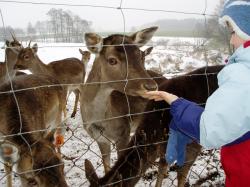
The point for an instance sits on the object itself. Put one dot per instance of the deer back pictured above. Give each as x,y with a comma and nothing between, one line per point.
66,71
46,101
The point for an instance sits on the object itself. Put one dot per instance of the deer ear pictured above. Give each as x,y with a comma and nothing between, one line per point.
148,51
9,152
7,43
90,173
81,51
94,42
142,37
35,47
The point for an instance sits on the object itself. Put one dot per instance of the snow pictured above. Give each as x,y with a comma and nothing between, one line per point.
175,56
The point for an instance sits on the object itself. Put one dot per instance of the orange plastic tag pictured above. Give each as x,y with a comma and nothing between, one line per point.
59,140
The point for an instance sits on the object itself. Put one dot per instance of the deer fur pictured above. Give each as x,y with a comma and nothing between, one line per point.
38,108
111,64
149,141
66,71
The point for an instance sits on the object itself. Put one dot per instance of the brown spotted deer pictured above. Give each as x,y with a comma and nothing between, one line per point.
149,141
118,57
67,71
7,71
24,138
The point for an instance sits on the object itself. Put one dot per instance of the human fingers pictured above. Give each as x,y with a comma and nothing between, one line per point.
168,97
155,97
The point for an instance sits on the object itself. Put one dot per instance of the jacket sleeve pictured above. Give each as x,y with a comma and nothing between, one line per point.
226,117
186,117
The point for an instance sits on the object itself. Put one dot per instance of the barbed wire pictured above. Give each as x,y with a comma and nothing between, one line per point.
108,7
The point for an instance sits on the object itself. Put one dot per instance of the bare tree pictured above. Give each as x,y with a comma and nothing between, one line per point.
31,31
52,13
66,26
217,36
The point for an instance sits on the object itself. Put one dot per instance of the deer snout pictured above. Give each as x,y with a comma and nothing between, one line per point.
150,86
19,67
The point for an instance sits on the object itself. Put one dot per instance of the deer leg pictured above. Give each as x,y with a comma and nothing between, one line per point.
66,95
105,151
162,172
122,144
193,150
77,95
60,129
8,169
65,112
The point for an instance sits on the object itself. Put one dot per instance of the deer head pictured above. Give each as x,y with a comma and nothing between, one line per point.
85,56
40,167
14,46
26,57
119,59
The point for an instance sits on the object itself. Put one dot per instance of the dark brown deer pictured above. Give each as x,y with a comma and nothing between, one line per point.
7,71
144,147
67,71
24,139
118,57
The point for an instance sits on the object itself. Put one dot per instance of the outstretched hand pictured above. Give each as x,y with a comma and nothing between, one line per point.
161,95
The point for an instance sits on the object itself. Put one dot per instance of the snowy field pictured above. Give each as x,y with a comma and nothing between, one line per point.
171,56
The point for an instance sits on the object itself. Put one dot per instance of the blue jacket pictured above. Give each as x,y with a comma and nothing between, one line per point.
226,117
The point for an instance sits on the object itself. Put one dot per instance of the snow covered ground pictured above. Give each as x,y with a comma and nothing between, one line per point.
171,56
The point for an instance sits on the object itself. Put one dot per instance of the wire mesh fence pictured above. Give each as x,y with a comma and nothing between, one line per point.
28,152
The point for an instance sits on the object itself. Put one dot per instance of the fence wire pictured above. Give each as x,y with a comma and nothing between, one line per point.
78,145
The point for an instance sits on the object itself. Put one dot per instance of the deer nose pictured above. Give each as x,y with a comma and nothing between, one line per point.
150,86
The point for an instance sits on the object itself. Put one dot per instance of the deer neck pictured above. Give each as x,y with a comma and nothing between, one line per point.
39,67
10,60
95,95
93,86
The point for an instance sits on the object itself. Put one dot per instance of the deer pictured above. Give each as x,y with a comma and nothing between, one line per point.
67,71
25,138
144,147
118,57
85,56
7,71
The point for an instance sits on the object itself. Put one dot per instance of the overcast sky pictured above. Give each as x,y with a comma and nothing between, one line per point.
103,14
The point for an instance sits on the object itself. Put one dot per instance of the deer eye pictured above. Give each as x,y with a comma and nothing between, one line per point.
32,182
26,57
112,61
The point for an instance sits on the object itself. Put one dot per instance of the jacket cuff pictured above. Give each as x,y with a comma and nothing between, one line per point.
186,116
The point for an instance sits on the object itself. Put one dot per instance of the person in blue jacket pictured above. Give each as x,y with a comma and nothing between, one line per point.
225,121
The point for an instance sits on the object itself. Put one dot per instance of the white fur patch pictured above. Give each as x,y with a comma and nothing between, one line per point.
99,46
235,27
238,3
